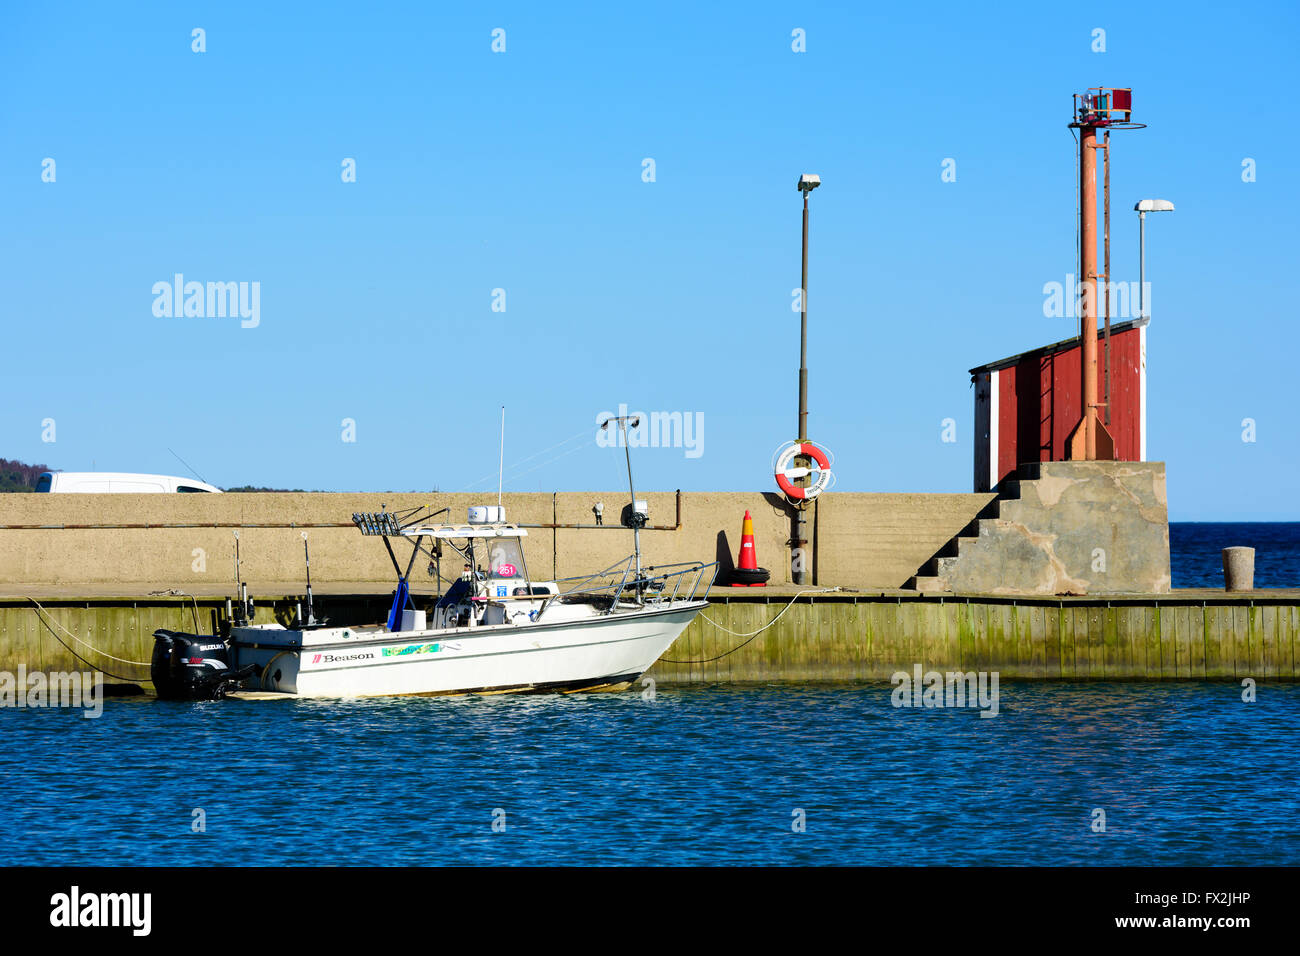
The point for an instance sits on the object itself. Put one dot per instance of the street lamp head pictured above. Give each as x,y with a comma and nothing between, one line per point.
1154,205
808,182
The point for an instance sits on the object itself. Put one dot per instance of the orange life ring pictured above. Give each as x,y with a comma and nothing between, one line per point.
784,471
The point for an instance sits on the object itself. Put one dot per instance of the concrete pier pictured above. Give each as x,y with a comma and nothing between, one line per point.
1034,582
1181,635
133,544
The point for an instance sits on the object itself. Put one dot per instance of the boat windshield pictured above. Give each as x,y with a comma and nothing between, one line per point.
505,558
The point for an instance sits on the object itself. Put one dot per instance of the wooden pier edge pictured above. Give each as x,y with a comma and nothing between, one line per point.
839,636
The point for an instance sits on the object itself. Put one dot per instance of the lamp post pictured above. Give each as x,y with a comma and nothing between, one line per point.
806,184
636,519
1143,207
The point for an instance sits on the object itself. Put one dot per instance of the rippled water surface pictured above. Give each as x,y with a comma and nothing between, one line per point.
1186,773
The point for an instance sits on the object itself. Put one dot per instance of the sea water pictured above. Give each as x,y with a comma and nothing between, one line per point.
1065,774
1196,552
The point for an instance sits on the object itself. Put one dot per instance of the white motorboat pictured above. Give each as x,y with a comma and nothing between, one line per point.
493,630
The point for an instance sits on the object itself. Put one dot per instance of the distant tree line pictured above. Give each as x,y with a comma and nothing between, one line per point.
255,488
16,476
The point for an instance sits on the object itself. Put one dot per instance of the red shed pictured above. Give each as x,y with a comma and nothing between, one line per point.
1027,405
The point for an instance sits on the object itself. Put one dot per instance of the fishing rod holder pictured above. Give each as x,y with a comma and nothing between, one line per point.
393,523
377,523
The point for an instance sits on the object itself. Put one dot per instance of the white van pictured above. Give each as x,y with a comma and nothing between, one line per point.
113,482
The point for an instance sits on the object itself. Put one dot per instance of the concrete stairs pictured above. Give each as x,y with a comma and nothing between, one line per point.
933,576
1095,527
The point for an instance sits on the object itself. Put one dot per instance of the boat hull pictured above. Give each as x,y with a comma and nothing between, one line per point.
599,652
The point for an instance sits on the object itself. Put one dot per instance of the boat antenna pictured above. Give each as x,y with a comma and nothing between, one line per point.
311,611
501,465
246,609
636,519
187,465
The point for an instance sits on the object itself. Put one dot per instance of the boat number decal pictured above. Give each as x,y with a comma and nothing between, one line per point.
412,649
507,571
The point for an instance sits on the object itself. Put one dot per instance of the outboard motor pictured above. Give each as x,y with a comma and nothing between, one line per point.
193,667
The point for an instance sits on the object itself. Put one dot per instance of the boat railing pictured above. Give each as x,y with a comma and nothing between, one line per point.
651,587
694,571
618,567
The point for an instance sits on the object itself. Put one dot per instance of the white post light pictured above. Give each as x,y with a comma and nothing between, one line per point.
1143,207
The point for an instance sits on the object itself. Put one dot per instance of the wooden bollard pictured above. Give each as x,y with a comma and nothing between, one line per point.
1238,569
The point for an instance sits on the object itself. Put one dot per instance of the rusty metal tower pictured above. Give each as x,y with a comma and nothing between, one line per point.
1099,108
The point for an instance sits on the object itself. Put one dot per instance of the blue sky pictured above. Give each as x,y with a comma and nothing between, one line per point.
522,171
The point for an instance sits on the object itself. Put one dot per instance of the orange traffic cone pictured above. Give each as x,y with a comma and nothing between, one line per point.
748,574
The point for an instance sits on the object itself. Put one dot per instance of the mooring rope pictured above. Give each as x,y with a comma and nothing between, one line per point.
51,624
42,615
753,634
45,618
178,592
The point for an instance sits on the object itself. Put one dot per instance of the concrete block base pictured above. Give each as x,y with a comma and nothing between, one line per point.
1096,527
